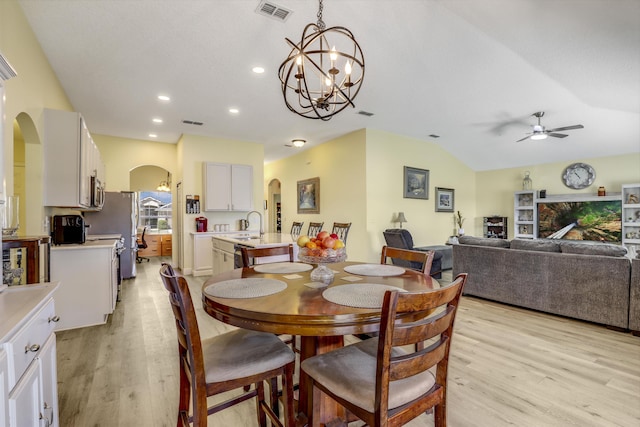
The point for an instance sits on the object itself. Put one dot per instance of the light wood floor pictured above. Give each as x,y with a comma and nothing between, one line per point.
509,367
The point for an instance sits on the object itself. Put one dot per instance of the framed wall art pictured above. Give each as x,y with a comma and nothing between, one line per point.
416,183
444,199
309,196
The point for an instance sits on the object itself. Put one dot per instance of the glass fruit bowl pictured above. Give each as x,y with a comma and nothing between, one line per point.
321,257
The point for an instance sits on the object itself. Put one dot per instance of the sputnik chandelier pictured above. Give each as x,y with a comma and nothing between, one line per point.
323,73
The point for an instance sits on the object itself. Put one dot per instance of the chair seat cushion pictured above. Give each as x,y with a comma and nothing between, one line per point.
242,353
350,373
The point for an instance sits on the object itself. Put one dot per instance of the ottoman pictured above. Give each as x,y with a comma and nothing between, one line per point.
444,250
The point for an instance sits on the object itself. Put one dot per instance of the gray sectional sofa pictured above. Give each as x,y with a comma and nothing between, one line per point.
590,281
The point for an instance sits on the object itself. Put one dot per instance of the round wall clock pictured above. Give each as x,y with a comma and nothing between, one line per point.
578,175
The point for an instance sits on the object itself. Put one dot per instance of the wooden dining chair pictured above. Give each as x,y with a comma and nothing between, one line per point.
381,383
296,228
225,362
249,254
342,230
415,260
314,228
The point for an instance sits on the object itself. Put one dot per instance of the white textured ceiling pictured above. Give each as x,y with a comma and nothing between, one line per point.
471,71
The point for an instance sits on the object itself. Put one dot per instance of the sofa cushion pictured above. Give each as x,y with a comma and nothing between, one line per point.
540,245
592,248
483,241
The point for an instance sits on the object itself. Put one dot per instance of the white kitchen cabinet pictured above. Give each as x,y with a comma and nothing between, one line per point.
4,388
89,282
28,377
71,158
202,254
227,187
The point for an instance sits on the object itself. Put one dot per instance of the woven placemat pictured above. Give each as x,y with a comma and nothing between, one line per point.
245,288
359,295
374,270
282,267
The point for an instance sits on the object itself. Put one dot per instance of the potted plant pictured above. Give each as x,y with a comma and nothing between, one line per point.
458,220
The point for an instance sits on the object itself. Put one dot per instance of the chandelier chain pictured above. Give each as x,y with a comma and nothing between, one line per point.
321,24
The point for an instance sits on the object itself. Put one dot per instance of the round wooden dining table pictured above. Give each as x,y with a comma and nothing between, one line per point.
300,309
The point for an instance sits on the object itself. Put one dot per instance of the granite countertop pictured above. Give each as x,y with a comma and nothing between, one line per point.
254,239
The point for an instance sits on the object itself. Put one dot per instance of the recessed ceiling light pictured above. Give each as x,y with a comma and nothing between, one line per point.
157,120
258,70
153,135
164,98
298,142
234,110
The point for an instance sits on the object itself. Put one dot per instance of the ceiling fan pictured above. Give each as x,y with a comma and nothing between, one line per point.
539,131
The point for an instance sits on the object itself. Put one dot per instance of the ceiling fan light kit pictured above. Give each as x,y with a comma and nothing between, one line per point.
539,132
323,73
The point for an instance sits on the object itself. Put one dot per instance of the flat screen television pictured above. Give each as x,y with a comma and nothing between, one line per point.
599,220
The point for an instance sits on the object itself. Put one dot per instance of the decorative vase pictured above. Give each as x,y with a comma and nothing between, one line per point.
460,231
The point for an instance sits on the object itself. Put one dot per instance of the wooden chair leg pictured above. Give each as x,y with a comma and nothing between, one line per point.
273,388
287,396
262,418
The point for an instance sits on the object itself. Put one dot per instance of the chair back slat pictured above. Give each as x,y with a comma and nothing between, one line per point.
342,230
404,367
296,228
314,228
249,254
415,260
423,330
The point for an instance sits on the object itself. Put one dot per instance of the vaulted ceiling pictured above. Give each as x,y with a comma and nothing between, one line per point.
470,71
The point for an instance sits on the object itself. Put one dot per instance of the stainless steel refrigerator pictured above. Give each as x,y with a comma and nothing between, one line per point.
119,215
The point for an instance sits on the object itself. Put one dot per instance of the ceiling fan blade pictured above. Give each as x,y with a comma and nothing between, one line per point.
526,137
566,128
558,135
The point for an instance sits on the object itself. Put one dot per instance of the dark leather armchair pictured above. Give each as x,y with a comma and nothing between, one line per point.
401,238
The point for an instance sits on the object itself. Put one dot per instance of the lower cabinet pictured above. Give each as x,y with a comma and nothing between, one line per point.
88,283
202,254
28,377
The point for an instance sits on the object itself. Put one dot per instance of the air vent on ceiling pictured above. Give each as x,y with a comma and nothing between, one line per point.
365,113
272,10
191,122
433,135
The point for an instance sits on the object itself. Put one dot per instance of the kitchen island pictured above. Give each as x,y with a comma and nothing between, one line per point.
226,248
88,276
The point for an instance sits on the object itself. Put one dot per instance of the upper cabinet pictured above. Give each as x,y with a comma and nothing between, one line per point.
73,168
228,187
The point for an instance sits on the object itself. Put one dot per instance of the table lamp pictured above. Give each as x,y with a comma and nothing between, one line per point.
400,218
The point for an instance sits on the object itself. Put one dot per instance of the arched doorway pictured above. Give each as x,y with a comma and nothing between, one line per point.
275,213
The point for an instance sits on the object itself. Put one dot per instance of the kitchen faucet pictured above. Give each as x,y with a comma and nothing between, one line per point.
260,215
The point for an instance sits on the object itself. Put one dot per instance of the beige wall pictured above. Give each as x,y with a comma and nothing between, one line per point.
387,154
341,166
193,152
122,155
361,181
34,88
495,188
